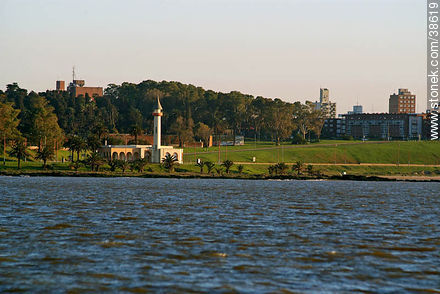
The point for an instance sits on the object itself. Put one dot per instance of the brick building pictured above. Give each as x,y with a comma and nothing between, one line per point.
402,102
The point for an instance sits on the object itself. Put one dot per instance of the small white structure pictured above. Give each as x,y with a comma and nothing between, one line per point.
153,154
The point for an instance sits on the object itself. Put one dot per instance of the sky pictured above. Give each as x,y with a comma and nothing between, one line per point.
361,50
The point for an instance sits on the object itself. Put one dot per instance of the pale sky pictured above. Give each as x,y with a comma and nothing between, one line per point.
362,50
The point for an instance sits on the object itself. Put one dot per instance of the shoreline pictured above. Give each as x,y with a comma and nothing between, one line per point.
189,175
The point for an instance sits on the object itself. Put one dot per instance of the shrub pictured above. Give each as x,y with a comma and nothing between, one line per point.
298,140
281,168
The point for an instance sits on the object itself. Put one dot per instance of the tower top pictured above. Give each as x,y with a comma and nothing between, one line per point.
158,110
158,106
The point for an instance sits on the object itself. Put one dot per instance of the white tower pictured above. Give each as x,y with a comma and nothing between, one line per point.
157,125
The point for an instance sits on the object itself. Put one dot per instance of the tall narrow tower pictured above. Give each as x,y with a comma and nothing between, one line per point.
157,125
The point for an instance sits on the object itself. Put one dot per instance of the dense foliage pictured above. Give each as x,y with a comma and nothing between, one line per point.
190,113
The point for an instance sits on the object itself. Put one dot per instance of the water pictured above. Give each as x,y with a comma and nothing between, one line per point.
171,235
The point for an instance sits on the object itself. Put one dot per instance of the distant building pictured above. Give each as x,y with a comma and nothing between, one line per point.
357,109
333,128
387,126
403,102
325,104
60,86
76,87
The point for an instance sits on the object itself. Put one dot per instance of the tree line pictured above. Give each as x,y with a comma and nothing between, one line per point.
56,118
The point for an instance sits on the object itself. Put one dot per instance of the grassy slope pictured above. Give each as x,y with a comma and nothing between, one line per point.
388,152
416,152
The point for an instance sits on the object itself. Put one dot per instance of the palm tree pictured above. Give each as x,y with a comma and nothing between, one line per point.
298,167
76,144
19,150
169,161
140,164
200,164
122,164
271,169
45,154
209,165
281,168
113,164
93,143
135,131
95,160
227,164
310,170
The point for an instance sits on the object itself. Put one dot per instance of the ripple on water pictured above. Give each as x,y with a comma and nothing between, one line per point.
137,235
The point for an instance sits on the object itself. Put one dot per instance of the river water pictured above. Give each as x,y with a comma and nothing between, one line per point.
195,235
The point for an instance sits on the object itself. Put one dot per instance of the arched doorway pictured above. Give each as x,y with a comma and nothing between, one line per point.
122,156
115,156
129,156
136,156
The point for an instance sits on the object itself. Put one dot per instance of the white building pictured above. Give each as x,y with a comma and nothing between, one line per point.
153,154
325,104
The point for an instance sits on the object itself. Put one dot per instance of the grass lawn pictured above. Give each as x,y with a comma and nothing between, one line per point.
423,152
341,152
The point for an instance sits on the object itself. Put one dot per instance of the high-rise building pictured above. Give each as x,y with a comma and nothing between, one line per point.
324,95
403,102
325,104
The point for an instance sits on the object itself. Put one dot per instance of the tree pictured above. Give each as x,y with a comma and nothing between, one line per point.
227,164
204,132
271,169
93,143
169,162
81,145
46,153
298,166
240,168
279,120
209,165
310,170
317,120
8,124
113,164
100,130
95,160
75,144
281,168
302,117
183,129
135,131
200,164
41,126
140,164
123,165
19,150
